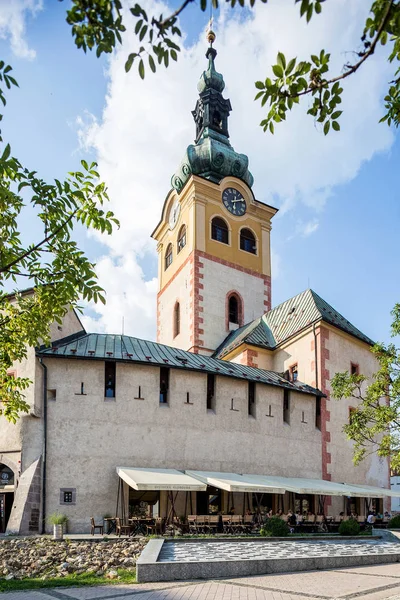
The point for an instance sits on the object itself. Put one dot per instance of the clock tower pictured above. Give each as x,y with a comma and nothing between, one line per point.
214,236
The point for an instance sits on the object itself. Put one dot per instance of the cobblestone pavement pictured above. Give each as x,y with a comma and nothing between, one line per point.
361,583
247,550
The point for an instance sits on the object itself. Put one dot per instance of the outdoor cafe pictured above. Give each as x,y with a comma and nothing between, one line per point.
158,501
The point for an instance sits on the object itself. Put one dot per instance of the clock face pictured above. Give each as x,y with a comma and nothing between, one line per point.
234,201
174,214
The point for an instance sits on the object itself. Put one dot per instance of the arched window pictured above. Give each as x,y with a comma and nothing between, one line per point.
233,310
219,230
248,241
168,256
177,319
182,238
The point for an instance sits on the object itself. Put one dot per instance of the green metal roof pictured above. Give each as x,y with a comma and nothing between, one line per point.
285,320
100,346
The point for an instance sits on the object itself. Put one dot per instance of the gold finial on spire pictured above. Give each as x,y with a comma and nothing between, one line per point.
210,34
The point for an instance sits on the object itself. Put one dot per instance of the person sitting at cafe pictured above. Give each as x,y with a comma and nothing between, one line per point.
387,515
371,518
279,513
291,521
299,518
231,511
310,516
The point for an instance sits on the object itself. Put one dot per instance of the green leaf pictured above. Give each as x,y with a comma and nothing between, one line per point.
259,85
278,71
129,62
291,66
152,64
326,127
141,68
335,126
6,153
336,114
281,60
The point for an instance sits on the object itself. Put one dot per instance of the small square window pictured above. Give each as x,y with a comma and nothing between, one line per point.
68,496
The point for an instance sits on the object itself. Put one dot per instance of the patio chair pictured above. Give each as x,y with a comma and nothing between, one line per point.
237,524
159,525
121,529
213,521
201,523
248,523
226,524
93,527
192,523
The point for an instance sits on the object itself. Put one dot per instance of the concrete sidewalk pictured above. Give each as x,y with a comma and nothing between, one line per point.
363,583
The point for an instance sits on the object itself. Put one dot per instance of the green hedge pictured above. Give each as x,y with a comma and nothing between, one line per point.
350,527
275,527
394,522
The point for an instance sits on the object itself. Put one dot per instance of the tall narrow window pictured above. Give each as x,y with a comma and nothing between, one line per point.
177,319
252,398
211,391
286,406
109,379
168,256
248,241
181,238
164,385
219,230
293,373
233,310
318,412
354,369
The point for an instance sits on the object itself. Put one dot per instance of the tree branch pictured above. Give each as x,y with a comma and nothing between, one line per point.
44,241
351,68
162,24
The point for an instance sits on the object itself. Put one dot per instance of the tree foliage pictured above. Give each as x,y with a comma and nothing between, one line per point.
374,424
58,270
98,24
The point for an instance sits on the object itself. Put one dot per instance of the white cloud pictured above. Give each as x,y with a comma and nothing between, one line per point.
146,126
13,15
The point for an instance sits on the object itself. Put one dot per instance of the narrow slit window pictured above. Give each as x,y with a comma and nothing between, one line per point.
293,372
252,398
354,369
318,413
233,310
177,319
164,385
211,391
109,379
286,406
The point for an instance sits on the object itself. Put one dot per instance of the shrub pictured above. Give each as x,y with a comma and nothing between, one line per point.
350,527
57,519
275,527
394,522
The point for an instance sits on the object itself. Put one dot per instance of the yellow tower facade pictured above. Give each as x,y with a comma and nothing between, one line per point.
213,237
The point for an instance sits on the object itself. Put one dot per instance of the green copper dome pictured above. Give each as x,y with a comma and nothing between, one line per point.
211,156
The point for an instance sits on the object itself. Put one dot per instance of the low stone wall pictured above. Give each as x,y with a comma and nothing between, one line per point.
42,557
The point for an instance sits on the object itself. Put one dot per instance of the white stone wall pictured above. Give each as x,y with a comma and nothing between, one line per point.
218,281
179,290
90,436
373,470
395,485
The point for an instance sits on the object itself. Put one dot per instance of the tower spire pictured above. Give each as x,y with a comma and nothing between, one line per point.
212,155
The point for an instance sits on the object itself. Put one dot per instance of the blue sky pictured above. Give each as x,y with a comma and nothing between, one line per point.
337,231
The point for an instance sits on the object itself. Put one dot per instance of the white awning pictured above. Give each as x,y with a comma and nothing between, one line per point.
232,482
376,492
160,479
300,485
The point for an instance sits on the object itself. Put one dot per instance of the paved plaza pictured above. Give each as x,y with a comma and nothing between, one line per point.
364,583
254,550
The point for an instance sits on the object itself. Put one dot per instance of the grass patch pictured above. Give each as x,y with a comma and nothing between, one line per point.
85,579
